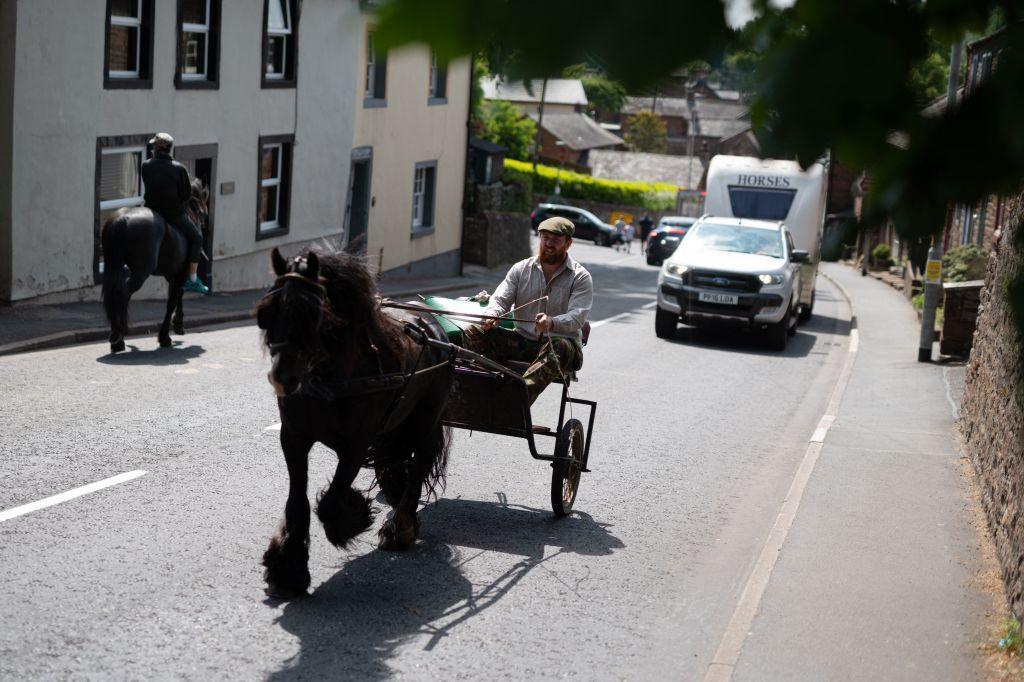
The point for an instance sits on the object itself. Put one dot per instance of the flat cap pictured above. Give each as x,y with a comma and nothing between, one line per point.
558,225
163,139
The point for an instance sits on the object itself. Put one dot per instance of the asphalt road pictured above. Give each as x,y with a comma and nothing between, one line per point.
696,442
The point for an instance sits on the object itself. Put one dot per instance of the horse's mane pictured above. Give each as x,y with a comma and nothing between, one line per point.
353,315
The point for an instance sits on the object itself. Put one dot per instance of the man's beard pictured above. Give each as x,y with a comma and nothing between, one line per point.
553,257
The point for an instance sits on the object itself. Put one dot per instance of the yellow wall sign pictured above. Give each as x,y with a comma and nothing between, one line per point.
933,271
626,217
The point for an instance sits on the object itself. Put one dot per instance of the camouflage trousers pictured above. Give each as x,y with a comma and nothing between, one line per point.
548,359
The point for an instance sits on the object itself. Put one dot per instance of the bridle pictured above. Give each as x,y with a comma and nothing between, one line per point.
310,288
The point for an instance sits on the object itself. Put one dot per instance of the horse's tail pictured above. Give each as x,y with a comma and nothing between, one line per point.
115,282
437,477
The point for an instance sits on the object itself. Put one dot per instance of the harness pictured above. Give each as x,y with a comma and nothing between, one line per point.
319,387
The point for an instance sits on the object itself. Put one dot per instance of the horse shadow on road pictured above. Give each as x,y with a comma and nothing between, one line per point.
356,621
177,354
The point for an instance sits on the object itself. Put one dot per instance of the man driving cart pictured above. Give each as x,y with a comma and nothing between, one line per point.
552,342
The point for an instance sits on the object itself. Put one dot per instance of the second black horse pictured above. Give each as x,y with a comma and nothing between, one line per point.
138,243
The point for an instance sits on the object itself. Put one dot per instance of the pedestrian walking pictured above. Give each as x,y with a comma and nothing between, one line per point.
646,225
628,236
620,233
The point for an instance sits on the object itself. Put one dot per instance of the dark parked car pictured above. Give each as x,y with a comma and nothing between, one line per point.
588,225
664,239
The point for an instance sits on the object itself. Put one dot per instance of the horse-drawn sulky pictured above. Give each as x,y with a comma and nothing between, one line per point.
381,383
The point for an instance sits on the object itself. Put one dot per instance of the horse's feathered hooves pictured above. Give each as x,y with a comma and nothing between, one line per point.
344,514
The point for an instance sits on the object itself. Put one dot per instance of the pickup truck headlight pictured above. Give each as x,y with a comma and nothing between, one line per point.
676,270
770,279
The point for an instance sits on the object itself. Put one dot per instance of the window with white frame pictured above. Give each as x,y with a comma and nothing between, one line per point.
375,87
371,65
270,186
125,39
438,78
196,38
274,190
120,182
279,39
423,196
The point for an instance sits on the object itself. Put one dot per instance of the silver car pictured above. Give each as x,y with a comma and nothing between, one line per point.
732,270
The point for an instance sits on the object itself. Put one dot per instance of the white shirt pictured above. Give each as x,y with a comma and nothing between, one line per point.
570,296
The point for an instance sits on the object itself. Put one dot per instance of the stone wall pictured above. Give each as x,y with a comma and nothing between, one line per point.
992,410
494,238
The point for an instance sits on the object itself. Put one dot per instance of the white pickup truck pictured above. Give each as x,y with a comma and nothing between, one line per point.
733,270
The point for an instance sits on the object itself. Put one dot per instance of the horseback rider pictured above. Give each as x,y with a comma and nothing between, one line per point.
168,190
552,343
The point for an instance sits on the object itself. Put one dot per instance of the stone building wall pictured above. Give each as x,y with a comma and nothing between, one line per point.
992,410
494,238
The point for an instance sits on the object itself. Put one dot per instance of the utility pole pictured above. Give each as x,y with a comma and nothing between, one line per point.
933,269
540,123
692,129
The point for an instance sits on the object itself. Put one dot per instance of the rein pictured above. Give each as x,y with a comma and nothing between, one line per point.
388,303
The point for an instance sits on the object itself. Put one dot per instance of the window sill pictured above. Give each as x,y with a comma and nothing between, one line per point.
374,103
197,84
436,101
277,83
418,232
270,234
127,83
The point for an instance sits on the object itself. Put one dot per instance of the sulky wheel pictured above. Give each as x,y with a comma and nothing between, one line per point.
565,473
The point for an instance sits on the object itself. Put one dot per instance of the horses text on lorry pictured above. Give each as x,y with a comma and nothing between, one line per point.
766,189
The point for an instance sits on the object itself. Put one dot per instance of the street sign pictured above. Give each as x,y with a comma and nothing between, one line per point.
933,271
626,217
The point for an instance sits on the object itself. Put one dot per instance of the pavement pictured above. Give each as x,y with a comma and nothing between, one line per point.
878,577
28,327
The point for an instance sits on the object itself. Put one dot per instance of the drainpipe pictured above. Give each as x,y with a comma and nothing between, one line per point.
465,166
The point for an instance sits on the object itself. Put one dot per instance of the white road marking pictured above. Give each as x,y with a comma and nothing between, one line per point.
273,427
724,662
613,318
823,426
69,495
854,340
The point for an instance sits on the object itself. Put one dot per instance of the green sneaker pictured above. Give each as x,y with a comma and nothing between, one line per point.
196,285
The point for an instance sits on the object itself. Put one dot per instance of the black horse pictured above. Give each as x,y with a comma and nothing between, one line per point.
138,243
344,375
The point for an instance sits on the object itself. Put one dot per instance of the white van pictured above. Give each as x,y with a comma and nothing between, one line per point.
766,189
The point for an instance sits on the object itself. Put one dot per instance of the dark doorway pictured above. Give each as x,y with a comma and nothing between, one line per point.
358,216
201,161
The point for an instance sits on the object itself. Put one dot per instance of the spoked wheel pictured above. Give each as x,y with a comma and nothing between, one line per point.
565,473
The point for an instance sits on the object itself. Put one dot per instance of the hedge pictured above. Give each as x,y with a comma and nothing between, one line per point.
652,196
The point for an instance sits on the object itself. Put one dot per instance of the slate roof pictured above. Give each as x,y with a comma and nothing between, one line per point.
485,145
578,131
667,168
559,91
707,109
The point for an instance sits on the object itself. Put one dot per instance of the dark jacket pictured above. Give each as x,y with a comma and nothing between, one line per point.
168,187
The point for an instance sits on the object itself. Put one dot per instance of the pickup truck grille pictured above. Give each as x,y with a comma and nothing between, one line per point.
726,281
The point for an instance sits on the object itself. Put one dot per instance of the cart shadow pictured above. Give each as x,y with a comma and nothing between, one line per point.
380,602
177,354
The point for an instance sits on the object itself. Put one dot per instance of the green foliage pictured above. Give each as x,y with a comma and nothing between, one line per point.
504,124
928,78
964,263
652,196
647,132
574,71
881,256
1012,638
604,95
523,178
476,95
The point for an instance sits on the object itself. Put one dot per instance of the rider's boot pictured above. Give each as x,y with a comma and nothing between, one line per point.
196,285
